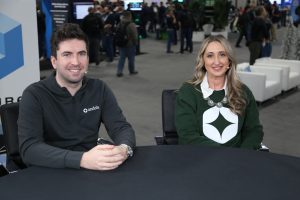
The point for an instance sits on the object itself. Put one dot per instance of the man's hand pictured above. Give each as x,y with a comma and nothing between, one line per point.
104,157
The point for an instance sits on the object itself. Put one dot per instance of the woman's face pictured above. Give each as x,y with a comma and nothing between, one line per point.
216,61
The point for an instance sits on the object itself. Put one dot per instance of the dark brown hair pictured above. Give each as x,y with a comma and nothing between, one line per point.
67,31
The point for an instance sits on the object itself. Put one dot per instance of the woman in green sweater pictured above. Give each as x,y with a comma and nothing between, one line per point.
215,108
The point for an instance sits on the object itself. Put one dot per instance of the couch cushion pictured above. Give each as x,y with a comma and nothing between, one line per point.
271,83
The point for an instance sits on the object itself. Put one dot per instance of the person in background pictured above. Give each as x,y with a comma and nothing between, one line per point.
108,37
161,19
144,18
92,25
60,117
266,49
171,22
242,25
41,25
186,24
259,34
215,108
130,48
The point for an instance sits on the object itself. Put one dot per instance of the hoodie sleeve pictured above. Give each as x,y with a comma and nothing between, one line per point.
114,121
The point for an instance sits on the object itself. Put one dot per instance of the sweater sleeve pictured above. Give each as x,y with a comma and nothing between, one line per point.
119,130
33,148
252,130
185,117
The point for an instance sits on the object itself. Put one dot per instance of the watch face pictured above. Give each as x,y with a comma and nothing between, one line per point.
129,151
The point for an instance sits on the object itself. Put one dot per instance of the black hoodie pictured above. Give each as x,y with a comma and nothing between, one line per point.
55,128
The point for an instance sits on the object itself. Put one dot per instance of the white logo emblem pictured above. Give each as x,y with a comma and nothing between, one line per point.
212,132
86,110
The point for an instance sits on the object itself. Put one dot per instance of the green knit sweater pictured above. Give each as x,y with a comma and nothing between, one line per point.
199,123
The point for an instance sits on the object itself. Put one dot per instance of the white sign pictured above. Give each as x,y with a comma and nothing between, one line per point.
19,60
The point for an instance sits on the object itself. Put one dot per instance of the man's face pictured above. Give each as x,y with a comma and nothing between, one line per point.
71,62
106,10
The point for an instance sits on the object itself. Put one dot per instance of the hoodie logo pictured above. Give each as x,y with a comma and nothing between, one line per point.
86,110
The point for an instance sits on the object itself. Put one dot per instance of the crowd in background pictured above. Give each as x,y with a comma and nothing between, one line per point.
174,22
174,19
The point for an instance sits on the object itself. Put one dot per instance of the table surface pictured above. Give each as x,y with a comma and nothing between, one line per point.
167,172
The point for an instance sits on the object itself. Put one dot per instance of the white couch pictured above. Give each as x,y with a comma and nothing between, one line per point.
291,70
264,82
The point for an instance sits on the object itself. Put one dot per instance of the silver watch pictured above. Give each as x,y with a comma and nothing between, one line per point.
129,150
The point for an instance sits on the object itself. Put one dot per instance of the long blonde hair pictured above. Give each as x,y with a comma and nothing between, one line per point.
236,96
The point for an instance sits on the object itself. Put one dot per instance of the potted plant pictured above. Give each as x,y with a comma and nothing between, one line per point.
196,7
220,17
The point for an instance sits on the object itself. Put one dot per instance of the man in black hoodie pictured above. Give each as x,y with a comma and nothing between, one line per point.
59,117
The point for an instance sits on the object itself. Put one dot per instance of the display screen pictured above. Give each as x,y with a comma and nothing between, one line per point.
81,9
136,5
279,2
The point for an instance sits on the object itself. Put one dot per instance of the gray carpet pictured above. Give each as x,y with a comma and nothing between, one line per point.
281,122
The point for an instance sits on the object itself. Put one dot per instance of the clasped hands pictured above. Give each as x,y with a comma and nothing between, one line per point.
104,157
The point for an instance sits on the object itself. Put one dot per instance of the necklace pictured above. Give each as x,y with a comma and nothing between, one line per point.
218,104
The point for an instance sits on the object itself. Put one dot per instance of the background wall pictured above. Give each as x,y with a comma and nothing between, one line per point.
19,62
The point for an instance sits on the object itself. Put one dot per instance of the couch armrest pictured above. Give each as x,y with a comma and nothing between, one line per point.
274,74
256,82
285,72
293,64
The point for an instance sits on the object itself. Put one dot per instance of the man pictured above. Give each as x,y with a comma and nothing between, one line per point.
129,49
59,117
242,24
259,34
186,22
92,25
108,37
41,25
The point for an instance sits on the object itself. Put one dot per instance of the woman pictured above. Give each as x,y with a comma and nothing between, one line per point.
214,107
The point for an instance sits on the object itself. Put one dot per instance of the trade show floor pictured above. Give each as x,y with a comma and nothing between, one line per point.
140,95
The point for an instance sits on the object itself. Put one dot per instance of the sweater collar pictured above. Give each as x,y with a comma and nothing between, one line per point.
207,91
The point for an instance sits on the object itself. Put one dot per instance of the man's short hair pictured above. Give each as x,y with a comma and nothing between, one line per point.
126,15
67,31
259,10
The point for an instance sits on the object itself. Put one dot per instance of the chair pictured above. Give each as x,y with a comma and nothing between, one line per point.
170,136
264,82
9,116
168,119
291,71
2,149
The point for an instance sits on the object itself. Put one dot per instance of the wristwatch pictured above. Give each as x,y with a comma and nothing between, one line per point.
129,150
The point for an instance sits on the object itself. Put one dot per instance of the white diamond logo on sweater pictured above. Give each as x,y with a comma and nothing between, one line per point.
221,116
